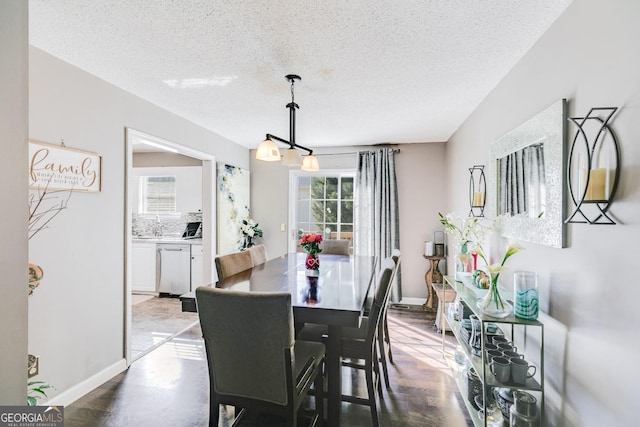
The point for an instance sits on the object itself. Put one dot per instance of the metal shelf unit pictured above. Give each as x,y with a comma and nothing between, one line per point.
480,363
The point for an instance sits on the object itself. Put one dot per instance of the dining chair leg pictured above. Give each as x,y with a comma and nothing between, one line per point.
318,386
214,412
376,371
383,359
371,389
387,338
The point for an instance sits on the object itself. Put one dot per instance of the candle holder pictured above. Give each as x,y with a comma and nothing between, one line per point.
477,191
438,238
593,167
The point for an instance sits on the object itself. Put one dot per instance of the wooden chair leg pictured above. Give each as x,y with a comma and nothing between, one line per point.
318,386
383,359
214,412
371,390
387,338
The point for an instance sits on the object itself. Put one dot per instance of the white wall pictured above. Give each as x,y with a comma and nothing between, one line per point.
420,171
590,56
13,227
76,316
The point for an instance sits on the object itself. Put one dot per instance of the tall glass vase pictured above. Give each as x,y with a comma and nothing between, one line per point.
463,261
493,304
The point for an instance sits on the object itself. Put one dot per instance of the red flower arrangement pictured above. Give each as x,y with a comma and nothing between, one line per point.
310,242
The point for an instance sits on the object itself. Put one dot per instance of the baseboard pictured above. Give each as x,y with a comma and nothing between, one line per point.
408,302
69,396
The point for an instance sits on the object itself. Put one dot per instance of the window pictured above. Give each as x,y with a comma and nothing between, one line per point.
157,194
324,204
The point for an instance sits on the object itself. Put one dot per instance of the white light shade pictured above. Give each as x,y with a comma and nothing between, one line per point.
292,158
268,151
310,163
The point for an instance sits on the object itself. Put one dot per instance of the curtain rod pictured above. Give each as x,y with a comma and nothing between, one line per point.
349,153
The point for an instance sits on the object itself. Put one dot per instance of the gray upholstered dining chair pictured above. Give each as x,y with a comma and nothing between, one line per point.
360,343
254,361
258,254
335,246
383,330
233,263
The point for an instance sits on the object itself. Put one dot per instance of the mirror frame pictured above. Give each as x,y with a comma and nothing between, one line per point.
551,126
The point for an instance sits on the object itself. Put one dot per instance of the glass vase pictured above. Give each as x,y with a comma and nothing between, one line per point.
312,264
525,294
493,304
463,262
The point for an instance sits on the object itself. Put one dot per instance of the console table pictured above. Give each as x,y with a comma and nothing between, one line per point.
433,276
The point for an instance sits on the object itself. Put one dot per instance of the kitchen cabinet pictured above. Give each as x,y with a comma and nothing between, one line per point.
196,266
466,357
143,270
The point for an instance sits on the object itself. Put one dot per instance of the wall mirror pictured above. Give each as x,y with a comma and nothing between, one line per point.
526,175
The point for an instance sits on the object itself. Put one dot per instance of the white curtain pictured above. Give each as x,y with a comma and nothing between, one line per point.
376,228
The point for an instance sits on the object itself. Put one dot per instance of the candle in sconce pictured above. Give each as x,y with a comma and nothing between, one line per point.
596,184
478,198
606,176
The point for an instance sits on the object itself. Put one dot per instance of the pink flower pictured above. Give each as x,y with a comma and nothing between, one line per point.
310,242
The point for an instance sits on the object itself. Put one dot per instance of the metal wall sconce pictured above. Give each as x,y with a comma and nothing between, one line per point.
593,167
477,191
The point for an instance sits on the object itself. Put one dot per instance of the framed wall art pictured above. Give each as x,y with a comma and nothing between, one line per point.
57,167
233,206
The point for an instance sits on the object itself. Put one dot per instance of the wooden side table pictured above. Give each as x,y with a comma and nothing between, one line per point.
433,276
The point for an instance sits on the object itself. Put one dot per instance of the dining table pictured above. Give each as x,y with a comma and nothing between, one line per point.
334,295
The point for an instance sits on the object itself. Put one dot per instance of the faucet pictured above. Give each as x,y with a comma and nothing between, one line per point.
157,228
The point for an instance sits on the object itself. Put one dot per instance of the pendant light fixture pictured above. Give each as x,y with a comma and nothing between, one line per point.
268,150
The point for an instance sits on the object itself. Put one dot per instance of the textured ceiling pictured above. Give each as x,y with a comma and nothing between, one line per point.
383,71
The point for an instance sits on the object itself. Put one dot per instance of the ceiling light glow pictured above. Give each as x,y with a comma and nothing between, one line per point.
194,83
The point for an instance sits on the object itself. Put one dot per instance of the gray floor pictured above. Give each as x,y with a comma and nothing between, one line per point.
154,321
169,386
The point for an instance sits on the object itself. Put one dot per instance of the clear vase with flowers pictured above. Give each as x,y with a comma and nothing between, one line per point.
493,304
310,242
468,233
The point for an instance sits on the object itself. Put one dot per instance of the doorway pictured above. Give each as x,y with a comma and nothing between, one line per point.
143,149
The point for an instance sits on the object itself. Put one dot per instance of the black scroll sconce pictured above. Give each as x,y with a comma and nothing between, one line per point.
593,167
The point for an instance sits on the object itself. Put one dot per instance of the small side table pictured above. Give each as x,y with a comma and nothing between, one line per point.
433,276
444,299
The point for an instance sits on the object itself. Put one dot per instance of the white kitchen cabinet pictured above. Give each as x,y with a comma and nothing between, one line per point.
196,266
143,270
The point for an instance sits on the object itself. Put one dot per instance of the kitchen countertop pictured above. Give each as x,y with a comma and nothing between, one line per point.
167,239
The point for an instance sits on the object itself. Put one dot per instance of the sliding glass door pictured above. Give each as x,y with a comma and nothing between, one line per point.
321,202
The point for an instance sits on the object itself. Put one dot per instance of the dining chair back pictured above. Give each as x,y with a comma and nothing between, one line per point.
335,246
358,347
253,359
258,254
383,330
233,263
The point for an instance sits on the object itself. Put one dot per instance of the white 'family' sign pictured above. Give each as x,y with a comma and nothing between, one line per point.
57,167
